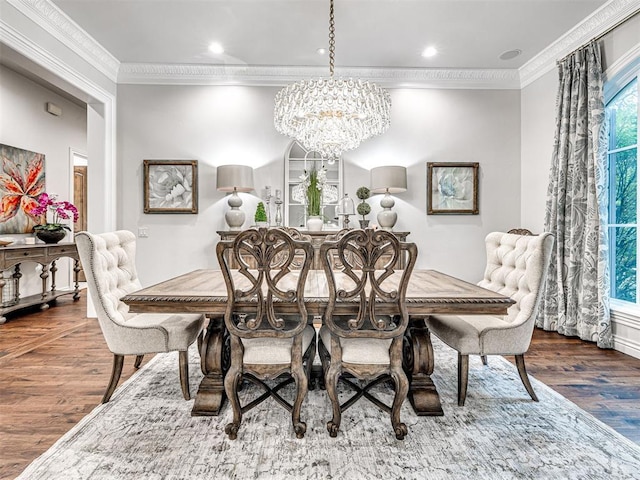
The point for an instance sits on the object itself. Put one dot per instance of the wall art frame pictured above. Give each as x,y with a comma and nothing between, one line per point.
170,186
452,188
22,181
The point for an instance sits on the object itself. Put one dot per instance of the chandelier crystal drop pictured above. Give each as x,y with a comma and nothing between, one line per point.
332,115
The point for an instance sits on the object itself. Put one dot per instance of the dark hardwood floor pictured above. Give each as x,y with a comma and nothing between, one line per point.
54,367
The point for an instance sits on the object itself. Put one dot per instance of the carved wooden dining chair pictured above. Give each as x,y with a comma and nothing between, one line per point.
365,320
267,319
108,261
517,264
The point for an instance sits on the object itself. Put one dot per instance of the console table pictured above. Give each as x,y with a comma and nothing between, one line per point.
316,240
46,255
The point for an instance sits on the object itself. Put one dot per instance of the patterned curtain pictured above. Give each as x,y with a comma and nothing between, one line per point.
576,300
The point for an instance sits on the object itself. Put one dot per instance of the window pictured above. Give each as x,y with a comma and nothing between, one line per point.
624,209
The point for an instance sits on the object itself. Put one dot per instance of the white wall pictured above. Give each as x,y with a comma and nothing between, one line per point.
25,123
219,125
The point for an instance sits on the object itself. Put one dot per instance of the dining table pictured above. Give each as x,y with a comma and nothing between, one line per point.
429,292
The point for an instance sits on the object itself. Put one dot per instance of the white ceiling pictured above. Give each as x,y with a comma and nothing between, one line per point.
469,34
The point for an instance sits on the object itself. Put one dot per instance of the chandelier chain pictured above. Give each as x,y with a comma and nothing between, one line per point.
332,39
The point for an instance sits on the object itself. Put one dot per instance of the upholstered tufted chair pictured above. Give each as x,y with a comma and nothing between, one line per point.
516,267
109,264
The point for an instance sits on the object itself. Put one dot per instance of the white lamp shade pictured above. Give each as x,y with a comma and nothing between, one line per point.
392,178
234,177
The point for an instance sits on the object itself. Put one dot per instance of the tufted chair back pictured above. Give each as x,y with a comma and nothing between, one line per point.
109,264
516,267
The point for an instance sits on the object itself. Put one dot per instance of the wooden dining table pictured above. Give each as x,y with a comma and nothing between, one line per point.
429,292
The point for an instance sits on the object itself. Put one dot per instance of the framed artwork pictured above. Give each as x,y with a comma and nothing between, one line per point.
21,182
452,188
170,186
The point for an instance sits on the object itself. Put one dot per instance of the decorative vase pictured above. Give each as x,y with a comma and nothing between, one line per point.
314,224
364,224
51,236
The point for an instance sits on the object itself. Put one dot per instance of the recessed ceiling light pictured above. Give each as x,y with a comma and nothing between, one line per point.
216,48
321,51
509,54
429,52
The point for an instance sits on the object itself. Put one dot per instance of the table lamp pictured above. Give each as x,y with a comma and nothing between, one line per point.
387,180
234,178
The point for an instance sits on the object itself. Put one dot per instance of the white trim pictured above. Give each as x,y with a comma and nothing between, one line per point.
595,24
53,20
627,316
626,346
200,74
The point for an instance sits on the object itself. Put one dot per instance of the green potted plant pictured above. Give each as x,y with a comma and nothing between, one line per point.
364,208
314,182
261,215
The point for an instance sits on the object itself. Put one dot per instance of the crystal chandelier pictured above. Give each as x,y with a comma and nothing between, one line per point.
332,115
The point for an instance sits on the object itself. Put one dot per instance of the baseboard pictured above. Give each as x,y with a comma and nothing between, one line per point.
626,333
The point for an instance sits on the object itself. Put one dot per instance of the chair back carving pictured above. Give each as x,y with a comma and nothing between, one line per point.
369,278
266,292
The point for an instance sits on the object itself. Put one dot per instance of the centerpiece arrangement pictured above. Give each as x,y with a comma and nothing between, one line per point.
55,230
314,182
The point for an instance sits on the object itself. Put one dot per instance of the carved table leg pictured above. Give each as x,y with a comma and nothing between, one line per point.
76,271
214,361
418,364
44,275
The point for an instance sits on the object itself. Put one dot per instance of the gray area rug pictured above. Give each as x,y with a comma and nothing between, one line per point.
146,432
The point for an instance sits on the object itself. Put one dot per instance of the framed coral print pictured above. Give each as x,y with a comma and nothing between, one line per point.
452,188
170,186
21,182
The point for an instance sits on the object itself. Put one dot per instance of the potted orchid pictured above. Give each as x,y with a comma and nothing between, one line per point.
53,231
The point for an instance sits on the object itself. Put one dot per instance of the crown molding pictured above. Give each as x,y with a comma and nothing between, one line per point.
49,17
183,74
595,24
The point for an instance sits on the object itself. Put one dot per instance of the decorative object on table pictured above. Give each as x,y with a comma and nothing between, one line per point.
4,241
330,115
22,176
388,180
313,182
170,186
452,188
260,216
267,201
345,209
278,202
55,230
364,208
234,179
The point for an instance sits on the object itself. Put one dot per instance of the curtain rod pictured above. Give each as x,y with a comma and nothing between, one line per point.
598,37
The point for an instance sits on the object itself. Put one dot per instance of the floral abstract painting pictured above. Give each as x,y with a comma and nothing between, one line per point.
170,186
452,188
21,182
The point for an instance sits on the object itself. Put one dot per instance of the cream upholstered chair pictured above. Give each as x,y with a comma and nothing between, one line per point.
267,319
366,319
516,267
108,261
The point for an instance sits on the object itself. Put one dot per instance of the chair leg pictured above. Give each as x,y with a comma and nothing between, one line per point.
118,361
138,361
331,385
231,381
300,376
522,371
463,378
184,374
484,359
402,388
